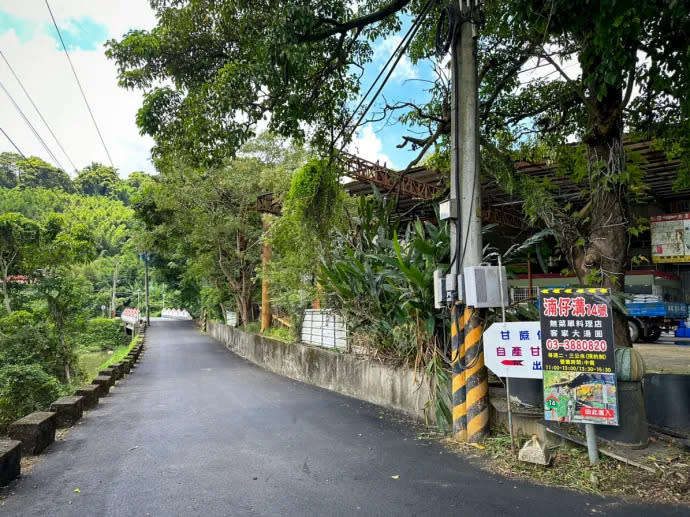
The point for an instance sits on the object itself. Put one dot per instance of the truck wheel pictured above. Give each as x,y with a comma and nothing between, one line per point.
634,329
653,333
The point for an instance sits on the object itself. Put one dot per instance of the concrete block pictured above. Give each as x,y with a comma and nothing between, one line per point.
535,452
36,431
108,372
68,410
116,370
10,458
125,366
90,392
104,382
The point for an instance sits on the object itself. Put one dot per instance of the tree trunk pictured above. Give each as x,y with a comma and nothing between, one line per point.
65,349
5,291
604,259
244,307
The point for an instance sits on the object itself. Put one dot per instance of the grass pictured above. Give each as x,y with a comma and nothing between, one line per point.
94,362
571,469
280,333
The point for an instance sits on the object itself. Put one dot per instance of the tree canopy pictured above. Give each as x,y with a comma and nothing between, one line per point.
600,70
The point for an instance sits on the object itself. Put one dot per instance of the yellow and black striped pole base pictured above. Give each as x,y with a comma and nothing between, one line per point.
458,364
476,377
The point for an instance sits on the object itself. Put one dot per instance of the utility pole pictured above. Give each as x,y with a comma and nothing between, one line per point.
147,256
113,298
470,385
266,315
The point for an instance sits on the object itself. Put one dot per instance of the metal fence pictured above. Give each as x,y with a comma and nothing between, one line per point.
521,294
324,328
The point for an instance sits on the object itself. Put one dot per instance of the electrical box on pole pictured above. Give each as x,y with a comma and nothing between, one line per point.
486,286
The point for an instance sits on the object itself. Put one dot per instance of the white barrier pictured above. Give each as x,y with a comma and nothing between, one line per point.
324,328
131,316
176,314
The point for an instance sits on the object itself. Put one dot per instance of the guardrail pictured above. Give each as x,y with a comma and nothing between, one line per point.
176,314
131,316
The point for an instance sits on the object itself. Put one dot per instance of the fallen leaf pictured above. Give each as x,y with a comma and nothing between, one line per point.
395,477
76,490
478,446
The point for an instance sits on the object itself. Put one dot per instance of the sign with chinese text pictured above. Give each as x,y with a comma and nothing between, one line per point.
513,349
670,237
578,356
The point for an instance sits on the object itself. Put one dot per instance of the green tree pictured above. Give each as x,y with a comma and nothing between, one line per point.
34,172
207,213
299,61
136,179
606,40
64,290
19,237
98,180
9,171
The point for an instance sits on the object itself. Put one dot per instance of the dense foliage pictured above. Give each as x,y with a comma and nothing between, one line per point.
67,249
549,72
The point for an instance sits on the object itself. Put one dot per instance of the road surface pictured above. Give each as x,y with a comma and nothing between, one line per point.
198,431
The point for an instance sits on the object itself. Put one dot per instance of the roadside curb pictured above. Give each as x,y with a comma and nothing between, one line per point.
33,433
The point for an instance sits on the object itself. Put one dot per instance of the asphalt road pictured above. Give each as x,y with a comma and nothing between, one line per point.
198,431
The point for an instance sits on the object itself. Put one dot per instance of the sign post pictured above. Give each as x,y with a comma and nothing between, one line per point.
578,359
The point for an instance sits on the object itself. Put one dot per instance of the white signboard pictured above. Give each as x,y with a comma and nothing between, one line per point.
670,238
513,349
231,318
324,328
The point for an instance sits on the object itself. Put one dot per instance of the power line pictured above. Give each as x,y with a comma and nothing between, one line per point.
12,142
37,110
395,58
33,129
76,77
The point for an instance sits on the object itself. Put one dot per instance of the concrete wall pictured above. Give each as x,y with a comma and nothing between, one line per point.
344,373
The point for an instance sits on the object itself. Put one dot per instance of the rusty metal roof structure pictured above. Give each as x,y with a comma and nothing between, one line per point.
420,188
660,173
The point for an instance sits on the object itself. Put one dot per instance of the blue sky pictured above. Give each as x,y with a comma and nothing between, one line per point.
82,33
407,83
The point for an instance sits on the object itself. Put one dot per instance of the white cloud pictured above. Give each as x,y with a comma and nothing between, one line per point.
404,70
43,68
118,16
368,145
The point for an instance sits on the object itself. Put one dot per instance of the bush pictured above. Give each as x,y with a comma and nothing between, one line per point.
24,342
15,321
101,334
24,389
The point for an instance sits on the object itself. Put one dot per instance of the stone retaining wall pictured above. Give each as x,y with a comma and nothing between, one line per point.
344,373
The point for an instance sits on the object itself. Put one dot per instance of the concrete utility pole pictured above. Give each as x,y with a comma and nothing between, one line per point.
113,298
266,314
470,386
146,287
